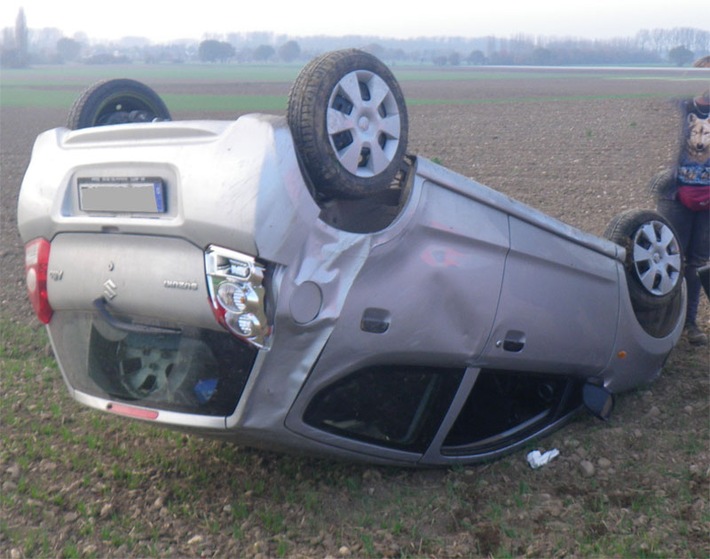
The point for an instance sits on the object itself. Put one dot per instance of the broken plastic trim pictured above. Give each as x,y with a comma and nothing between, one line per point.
598,400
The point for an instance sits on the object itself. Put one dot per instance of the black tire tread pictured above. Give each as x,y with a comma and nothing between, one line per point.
662,183
85,109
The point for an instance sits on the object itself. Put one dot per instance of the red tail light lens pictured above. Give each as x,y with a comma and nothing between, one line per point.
36,264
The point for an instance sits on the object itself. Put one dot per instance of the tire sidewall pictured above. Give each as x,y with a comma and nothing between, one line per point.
622,231
90,107
308,119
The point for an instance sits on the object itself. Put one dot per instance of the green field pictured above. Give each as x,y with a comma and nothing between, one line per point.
58,86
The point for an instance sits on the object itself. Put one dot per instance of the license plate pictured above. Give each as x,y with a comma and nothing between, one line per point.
122,194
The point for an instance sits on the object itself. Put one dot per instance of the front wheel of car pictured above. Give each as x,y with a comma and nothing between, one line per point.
349,123
116,101
654,267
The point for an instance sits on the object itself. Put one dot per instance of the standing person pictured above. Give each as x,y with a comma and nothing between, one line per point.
683,197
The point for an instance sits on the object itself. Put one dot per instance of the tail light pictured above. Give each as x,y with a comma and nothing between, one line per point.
235,283
36,264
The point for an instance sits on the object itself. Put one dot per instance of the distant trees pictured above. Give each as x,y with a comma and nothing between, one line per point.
68,50
663,40
289,51
375,49
21,40
476,58
452,59
15,52
20,46
212,50
542,56
647,47
104,58
680,55
262,53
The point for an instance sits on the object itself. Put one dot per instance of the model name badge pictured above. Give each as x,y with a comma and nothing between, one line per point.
176,284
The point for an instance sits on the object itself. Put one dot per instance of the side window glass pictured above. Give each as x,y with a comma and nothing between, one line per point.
398,407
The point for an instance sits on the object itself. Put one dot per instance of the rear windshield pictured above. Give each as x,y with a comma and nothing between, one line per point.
183,369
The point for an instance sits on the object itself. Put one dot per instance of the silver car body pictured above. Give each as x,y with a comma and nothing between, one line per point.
463,278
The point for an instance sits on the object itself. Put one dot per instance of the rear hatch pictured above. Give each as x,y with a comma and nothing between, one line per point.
129,216
133,324
136,275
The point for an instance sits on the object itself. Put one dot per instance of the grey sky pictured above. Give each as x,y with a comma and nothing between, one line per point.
594,19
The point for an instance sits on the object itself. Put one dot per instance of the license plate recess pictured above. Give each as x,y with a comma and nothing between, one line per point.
122,194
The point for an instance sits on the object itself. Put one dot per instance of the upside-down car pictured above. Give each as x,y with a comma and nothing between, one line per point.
302,282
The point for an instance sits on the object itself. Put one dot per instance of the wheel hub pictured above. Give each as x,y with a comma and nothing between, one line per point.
657,258
363,123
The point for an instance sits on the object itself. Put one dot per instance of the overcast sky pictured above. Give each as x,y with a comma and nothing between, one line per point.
163,21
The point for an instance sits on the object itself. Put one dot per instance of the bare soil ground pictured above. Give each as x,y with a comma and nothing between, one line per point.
75,484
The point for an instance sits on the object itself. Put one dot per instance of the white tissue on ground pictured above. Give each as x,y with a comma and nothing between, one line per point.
537,459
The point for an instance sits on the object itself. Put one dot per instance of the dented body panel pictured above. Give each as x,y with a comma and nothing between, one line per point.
461,288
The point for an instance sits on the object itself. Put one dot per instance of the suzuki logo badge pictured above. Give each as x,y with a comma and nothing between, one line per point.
110,289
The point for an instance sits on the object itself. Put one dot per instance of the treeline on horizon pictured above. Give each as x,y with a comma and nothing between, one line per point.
22,46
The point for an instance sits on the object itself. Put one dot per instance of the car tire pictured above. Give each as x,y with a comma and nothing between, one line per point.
654,259
662,183
116,101
654,268
349,123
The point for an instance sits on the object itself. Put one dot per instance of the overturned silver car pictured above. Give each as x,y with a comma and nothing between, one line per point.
303,283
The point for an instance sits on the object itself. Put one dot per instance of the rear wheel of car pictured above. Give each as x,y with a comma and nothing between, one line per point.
116,101
654,267
349,123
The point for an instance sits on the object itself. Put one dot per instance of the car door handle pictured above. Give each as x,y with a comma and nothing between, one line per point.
513,342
